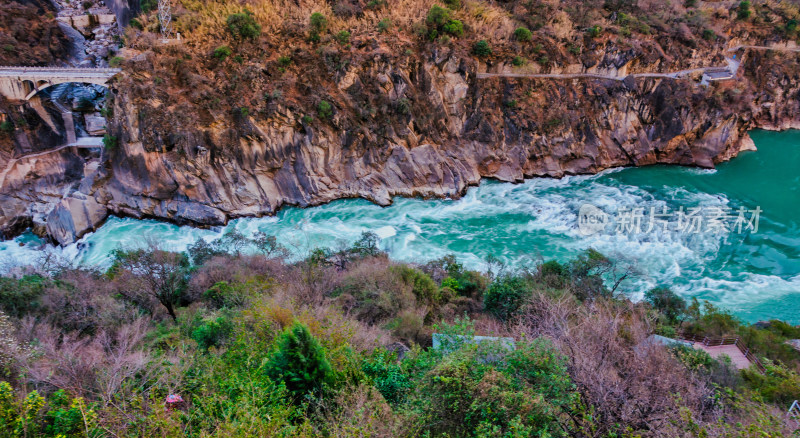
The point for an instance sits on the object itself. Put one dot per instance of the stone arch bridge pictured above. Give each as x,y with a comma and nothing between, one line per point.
22,83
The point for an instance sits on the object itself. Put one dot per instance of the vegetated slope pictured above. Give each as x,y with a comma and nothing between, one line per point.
29,34
283,103
339,344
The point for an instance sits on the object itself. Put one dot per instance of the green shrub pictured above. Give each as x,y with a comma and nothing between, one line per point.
110,141
690,3
222,52
523,34
667,302
319,23
324,109
744,10
595,31
481,48
453,4
451,283
232,391
300,363
422,285
387,375
343,37
148,5
693,359
403,106
791,25
709,35
19,297
518,61
34,416
6,126
778,384
230,295
553,274
136,24
505,296
454,28
115,61
486,390
384,25
285,60
771,341
708,320
212,333
439,21
586,274
307,119
437,16
243,25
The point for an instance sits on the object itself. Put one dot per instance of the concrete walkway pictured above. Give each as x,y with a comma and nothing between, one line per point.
731,66
80,143
737,357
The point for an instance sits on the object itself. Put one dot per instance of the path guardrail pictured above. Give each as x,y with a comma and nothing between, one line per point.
716,342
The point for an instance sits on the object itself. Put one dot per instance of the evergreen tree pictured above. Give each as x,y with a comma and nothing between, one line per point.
300,362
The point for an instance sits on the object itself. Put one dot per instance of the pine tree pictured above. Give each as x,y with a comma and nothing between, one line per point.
300,362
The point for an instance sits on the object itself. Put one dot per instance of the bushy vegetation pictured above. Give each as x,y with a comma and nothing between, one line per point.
338,343
318,25
324,109
440,22
743,11
482,49
522,34
242,25
222,52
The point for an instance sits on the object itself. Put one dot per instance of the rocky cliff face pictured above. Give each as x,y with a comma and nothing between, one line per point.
411,126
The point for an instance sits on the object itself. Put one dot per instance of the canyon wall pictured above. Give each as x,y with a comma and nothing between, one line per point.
398,126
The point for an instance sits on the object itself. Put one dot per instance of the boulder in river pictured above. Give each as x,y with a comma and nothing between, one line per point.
95,124
73,217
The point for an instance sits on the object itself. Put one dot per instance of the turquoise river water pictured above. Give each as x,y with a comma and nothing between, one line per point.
690,229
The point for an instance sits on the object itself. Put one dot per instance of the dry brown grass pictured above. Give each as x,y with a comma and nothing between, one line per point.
482,19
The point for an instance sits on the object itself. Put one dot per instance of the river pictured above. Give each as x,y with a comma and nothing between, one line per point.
690,229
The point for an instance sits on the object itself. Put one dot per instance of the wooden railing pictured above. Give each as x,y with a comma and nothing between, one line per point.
716,342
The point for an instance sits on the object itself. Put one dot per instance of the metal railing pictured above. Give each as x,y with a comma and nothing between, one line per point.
716,342
794,410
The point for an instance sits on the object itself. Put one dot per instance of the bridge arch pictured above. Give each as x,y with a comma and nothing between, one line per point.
47,84
22,83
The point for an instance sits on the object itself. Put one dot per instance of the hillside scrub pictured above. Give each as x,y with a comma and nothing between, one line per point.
30,35
660,36
339,343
